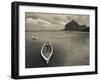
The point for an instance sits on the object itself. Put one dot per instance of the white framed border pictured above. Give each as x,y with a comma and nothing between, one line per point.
54,70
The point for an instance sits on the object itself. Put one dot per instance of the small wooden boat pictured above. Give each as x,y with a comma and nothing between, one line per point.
35,38
47,51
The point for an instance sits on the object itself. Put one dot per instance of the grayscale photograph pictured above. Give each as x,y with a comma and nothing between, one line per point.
55,39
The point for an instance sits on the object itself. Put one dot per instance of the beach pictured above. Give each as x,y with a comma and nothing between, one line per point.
71,48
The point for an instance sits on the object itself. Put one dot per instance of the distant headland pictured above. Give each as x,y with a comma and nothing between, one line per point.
74,26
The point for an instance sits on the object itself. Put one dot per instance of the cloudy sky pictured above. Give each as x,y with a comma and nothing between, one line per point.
46,21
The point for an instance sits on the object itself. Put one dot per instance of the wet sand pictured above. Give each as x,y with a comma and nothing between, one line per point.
70,48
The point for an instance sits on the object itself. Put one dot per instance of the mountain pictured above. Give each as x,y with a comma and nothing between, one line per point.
74,26
84,28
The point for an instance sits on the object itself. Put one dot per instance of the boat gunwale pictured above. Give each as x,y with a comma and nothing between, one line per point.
47,58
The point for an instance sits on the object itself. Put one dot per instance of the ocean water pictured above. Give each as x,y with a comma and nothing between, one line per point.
71,48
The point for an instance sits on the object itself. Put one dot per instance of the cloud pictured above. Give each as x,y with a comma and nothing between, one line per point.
37,21
50,18
44,21
81,19
30,20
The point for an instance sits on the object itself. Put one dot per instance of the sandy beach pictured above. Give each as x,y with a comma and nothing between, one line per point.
71,48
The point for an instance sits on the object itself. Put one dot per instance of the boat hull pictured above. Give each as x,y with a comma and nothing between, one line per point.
46,51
